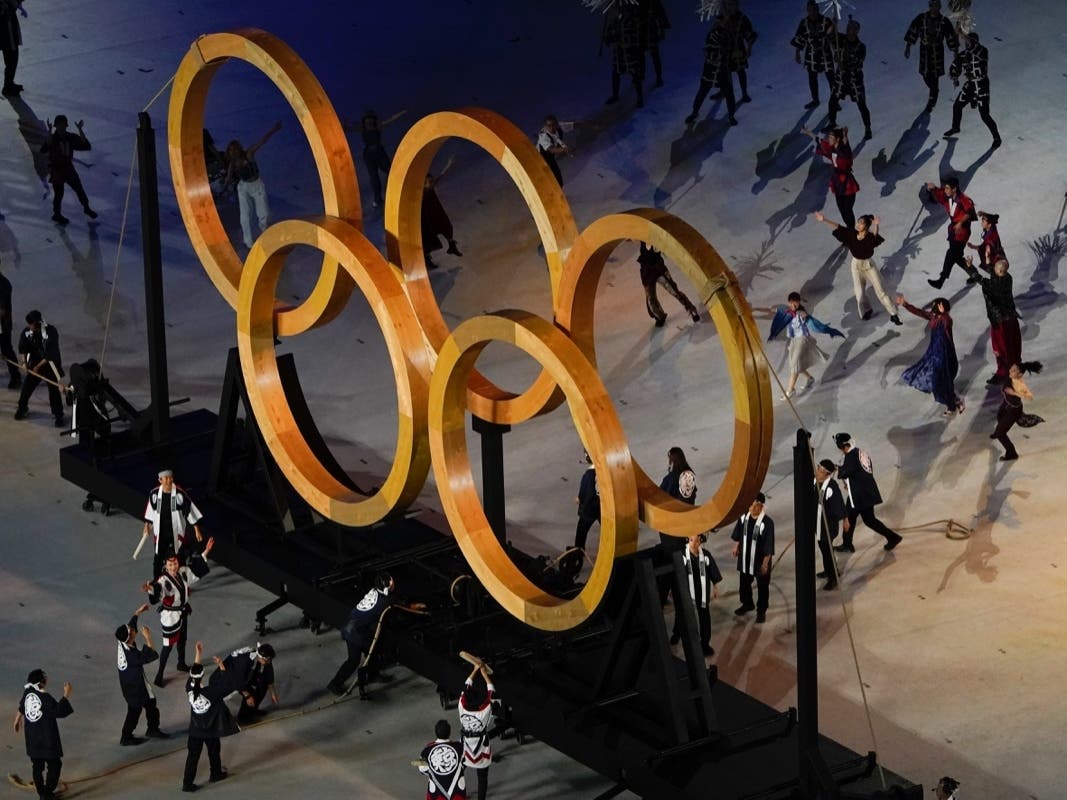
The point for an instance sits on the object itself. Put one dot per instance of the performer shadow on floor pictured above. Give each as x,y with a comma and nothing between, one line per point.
688,153
783,156
907,159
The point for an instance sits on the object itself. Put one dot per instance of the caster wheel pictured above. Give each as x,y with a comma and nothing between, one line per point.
87,505
105,509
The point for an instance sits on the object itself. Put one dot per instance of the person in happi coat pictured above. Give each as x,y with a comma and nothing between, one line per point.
10,41
167,516
931,31
209,721
972,65
835,148
250,671
442,764
829,515
39,357
475,721
702,577
815,39
856,472
171,592
359,631
38,714
134,684
753,538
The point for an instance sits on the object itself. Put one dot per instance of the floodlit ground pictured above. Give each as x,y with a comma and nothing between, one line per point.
957,641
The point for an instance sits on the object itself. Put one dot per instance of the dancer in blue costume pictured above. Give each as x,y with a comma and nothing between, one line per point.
935,372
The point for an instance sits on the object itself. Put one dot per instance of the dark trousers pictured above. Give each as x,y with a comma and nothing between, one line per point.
954,255
763,590
616,81
703,622
932,82
46,786
581,533
11,62
846,204
825,539
377,161
133,716
483,781
1007,416
192,760
983,112
813,82
861,104
350,665
657,64
164,654
553,165
726,86
663,556
872,522
1007,344
55,399
58,188
9,352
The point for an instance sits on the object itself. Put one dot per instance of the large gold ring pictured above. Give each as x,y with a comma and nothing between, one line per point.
337,173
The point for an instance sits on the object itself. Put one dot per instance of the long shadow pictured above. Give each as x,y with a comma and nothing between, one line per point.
9,245
89,268
810,198
923,225
821,283
781,157
967,175
702,140
907,158
34,132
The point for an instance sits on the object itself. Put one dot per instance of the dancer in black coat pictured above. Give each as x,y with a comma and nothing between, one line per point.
39,713
861,491
135,687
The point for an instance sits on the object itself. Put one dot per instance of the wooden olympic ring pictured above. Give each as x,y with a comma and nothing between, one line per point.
337,173
381,285
434,369
503,141
599,429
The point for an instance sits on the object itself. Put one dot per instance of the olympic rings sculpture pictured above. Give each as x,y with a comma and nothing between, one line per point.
437,382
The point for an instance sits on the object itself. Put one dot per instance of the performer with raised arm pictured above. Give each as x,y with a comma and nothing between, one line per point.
1004,333
60,146
40,713
861,240
961,214
242,169
972,65
135,687
803,351
171,591
209,721
475,720
835,148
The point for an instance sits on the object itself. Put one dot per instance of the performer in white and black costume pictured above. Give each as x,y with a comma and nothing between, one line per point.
475,720
209,721
171,592
851,53
250,671
829,514
39,712
754,548
972,64
815,37
861,494
931,31
443,765
168,512
703,578
135,688
550,144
